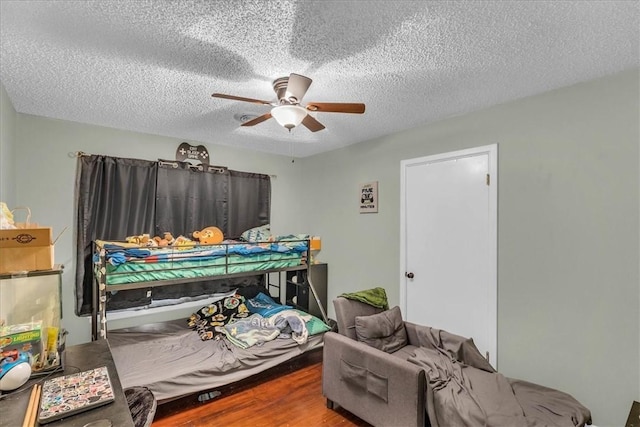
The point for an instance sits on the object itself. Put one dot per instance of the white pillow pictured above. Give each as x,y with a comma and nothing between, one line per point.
257,234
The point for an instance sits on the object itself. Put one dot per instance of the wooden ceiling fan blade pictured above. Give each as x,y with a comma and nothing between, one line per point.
336,107
257,120
312,124
240,98
296,87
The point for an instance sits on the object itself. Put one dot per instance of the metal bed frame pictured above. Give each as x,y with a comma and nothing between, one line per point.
100,287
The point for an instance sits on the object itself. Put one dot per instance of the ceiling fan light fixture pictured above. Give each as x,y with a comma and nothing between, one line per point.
289,116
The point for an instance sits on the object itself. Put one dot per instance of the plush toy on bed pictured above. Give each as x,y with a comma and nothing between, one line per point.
135,239
167,240
182,242
209,236
160,241
142,240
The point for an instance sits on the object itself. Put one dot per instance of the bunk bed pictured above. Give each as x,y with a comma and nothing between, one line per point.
170,358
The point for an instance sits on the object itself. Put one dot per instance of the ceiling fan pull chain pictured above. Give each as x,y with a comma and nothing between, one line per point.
291,147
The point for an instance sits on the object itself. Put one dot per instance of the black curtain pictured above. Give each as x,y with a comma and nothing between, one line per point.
249,194
123,197
115,198
190,199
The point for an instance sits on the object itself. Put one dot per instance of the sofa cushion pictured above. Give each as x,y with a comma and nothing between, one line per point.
384,331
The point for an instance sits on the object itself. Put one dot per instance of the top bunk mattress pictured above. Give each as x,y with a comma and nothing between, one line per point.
119,263
172,361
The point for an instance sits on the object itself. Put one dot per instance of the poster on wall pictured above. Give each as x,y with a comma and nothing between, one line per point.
369,197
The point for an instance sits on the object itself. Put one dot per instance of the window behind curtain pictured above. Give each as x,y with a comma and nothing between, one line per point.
123,197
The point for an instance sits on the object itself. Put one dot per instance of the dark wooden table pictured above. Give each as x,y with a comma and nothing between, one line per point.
77,358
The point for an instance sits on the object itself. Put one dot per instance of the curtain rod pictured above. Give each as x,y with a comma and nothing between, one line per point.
218,169
200,167
73,154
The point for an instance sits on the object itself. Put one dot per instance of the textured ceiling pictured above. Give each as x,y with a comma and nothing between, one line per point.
151,66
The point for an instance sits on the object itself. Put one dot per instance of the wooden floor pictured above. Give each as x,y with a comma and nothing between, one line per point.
294,399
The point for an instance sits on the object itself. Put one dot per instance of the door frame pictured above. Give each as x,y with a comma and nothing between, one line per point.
492,152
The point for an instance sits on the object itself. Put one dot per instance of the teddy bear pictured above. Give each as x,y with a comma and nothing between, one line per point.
166,240
209,236
160,241
169,238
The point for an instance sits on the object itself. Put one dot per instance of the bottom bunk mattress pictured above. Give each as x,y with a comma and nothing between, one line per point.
172,361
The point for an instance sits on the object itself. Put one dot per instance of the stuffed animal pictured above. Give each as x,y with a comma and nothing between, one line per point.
133,239
169,238
209,236
160,241
142,240
182,242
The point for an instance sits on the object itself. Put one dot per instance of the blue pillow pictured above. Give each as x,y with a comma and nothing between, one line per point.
264,305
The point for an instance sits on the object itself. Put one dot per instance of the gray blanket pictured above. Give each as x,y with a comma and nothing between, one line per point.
467,391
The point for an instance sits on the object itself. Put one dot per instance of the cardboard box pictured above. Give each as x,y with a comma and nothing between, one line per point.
26,249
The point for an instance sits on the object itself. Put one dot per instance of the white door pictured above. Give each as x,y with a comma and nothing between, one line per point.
449,244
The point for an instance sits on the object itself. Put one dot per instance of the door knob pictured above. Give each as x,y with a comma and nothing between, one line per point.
409,275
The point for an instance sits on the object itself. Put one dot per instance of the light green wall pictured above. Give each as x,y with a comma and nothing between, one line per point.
569,198
45,174
568,257
7,144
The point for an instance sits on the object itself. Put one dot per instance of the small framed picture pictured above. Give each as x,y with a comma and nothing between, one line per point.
369,197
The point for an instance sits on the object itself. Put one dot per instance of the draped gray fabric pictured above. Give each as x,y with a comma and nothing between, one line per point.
188,199
118,197
115,198
255,209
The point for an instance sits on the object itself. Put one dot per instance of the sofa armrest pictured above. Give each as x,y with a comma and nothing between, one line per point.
379,388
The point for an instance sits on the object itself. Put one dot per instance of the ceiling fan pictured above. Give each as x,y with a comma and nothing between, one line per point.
287,109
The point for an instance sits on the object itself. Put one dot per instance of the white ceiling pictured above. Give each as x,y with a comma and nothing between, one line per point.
151,66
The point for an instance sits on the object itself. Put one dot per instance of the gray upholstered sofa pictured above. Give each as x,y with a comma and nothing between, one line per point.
375,368
381,388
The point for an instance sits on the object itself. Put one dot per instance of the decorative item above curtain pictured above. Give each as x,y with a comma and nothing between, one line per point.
118,197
